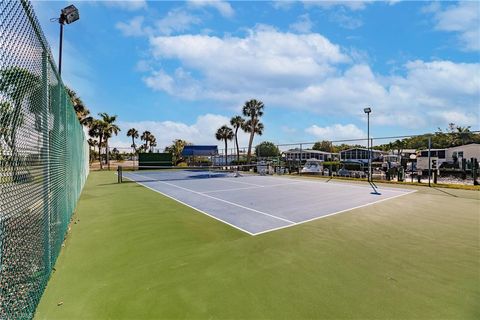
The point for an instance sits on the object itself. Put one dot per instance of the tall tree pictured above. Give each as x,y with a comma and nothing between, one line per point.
18,88
237,122
153,143
92,143
224,133
145,137
252,109
83,114
252,127
109,129
96,130
134,134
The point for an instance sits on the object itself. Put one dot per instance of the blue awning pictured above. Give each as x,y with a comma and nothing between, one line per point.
199,151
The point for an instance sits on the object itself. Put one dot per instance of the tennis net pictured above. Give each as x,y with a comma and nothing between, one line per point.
150,173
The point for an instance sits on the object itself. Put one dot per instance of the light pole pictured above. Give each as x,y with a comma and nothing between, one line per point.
367,111
67,15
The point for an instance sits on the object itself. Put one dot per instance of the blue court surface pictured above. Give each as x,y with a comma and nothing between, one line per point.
257,204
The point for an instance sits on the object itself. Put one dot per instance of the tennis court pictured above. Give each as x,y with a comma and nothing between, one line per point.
257,204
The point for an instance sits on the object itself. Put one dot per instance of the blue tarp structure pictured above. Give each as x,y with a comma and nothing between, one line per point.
199,151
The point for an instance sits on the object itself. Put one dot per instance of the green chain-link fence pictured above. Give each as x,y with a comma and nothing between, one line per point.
43,160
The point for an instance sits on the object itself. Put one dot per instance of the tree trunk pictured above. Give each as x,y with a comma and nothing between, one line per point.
236,144
100,139
250,142
107,153
226,152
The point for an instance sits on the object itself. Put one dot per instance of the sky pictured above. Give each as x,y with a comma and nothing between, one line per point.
183,69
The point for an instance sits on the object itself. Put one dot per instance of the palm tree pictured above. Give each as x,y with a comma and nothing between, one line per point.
109,129
92,143
463,135
96,130
20,86
237,122
255,127
134,134
146,136
224,133
83,114
153,143
252,109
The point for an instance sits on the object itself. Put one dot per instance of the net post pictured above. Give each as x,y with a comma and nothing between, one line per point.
429,161
119,174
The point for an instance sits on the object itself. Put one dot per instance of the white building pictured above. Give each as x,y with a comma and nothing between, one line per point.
360,155
305,154
449,155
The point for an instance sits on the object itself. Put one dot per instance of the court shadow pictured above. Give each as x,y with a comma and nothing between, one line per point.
374,187
447,193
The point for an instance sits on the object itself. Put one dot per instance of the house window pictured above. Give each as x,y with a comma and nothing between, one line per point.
441,154
460,154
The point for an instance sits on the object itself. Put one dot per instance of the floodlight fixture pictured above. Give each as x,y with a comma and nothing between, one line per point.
367,110
69,14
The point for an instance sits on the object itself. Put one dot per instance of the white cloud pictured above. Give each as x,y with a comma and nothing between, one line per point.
282,4
264,58
223,7
308,72
130,5
336,132
176,20
462,18
344,20
303,24
458,117
133,28
200,132
353,5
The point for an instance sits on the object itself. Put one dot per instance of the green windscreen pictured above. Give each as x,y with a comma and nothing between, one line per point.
154,159
43,161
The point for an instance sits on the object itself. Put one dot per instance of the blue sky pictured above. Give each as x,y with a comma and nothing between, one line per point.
182,69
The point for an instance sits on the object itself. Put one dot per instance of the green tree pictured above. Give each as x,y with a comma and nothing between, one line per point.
150,141
82,112
134,134
109,129
224,133
176,149
18,87
253,110
267,149
324,145
463,135
237,122
92,143
96,130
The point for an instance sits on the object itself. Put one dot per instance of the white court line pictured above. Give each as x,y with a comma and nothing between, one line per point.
240,182
250,184
334,213
222,200
336,183
190,206
248,188
278,228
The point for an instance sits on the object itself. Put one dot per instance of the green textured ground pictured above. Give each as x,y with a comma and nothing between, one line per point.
135,254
